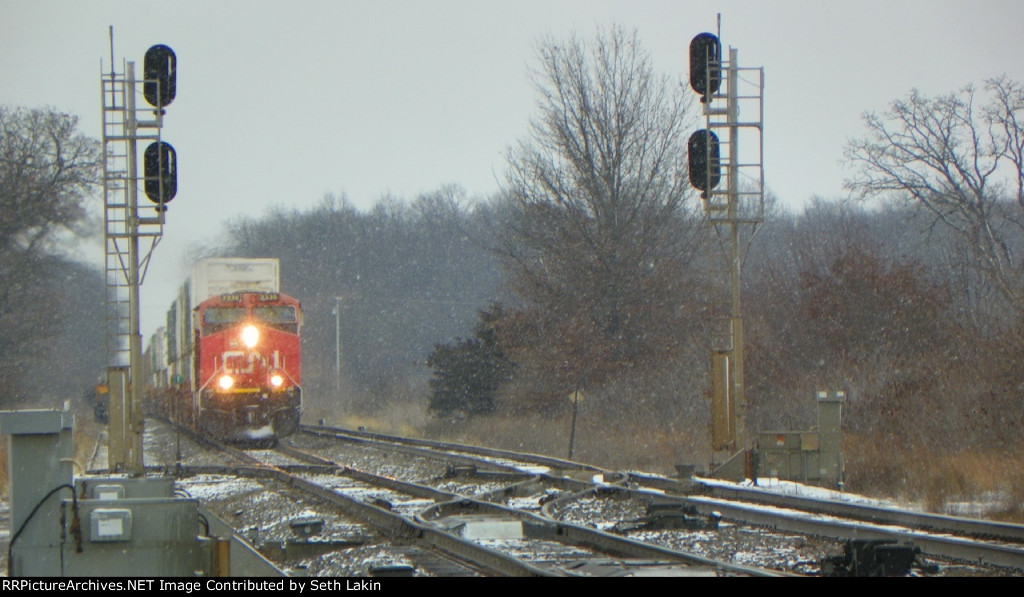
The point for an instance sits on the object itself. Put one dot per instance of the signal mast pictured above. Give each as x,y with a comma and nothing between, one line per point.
124,125
733,215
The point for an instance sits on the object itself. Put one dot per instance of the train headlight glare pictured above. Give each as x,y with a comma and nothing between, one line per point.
276,380
250,336
225,382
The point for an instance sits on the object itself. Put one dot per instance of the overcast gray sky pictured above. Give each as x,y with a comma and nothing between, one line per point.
280,102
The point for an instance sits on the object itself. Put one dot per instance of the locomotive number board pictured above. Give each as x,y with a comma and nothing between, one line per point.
263,297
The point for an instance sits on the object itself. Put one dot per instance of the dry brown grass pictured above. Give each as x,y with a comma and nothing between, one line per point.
879,466
397,418
621,446
86,433
875,466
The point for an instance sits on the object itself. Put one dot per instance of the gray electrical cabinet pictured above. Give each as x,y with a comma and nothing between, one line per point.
108,525
813,456
123,537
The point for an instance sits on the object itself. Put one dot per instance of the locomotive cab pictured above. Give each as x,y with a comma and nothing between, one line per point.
248,365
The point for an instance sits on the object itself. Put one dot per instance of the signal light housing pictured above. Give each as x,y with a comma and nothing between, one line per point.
705,65
159,69
704,160
160,167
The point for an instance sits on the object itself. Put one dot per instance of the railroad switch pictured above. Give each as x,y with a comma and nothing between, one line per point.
875,557
307,526
666,516
469,471
460,471
391,570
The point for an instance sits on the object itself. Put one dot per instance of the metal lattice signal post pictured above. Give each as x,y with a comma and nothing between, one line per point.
733,215
124,124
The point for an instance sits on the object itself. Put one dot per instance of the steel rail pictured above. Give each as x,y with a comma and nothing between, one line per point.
582,536
538,459
392,524
1011,556
866,521
389,523
936,523
561,532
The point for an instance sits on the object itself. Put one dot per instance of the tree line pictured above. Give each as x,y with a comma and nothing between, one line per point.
51,306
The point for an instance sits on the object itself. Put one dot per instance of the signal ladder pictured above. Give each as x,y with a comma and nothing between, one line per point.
734,211
123,228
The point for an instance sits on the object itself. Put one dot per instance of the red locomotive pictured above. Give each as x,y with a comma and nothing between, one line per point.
232,361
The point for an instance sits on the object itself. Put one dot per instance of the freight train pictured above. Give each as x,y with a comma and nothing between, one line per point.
228,363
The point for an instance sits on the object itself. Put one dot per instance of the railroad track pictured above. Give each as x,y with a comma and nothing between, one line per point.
391,505
954,538
987,546
442,517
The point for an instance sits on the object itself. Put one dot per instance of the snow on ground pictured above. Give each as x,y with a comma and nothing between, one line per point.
776,485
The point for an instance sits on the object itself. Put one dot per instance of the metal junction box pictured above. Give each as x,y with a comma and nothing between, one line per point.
810,456
111,525
123,537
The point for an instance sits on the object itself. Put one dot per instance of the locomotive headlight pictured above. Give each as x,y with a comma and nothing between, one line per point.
276,380
250,336
225,382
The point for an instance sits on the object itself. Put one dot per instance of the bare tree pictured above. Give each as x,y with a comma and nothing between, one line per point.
965,165
47,169
598,222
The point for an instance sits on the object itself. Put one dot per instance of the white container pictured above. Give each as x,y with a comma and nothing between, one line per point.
213,277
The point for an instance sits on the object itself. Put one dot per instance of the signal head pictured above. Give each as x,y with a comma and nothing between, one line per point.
705,65
160,168
159,72
704,160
